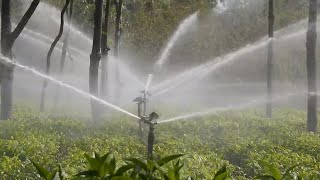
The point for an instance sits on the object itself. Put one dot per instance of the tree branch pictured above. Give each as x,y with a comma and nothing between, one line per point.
54,43
23,22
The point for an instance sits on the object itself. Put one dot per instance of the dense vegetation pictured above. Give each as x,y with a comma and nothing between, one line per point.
147,25
244,141
238,145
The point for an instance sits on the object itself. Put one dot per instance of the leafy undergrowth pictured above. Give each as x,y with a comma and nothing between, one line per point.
249,144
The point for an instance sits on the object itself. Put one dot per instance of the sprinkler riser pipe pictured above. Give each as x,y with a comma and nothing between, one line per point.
150,141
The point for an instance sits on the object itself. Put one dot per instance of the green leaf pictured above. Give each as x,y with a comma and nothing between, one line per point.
167,159
265,177
41,170
287,173
112,164
121,178
162,171
52,175
60,172
221,174
90,173
94,164
138,163
275,172
123,169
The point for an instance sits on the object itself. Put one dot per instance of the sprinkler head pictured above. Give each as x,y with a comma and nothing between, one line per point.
145,92
153,116
139,100
151,119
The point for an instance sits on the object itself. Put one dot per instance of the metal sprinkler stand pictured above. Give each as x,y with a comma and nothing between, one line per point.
140,101
145,94
151,122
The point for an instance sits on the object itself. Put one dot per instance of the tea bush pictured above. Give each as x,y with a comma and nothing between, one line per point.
247,143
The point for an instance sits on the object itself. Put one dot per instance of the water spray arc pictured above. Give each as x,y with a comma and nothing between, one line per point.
8,62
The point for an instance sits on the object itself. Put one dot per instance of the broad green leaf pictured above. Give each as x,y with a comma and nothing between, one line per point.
123,169
265,177
287,173
138,163
91,173
275,172
94,164
167,159
221,174
121,178
41,170
161,171
52,175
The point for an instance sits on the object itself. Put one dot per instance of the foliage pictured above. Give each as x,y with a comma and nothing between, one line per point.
239,140
147,25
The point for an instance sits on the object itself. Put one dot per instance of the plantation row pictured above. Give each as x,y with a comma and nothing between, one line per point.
248,144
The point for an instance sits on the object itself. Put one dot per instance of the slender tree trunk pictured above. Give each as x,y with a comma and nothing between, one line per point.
104,49
53,45
311,67
6,72
95,58
7,40
270,60
116,48
64,51
66,38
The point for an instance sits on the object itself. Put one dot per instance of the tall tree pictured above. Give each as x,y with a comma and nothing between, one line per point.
95,58
66,38
104,50
117,36
311,67
53,45
65,46
270,60
7,40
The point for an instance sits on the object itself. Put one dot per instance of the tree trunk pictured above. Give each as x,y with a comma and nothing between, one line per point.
116,48
104,49
66,38
7,40
95,58
64,51
311,67
270,60
53,45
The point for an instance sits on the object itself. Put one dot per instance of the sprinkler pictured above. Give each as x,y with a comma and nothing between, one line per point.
151,121
145,95
140,101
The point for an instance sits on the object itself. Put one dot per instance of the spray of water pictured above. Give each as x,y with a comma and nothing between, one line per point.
182,29
211,111
201,71
149,80
48,40
221,7
7,61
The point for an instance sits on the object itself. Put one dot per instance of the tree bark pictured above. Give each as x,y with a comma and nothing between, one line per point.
66,38
116,48
95,58
64,52
7,41
104,49
311,67
270,60
53,45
